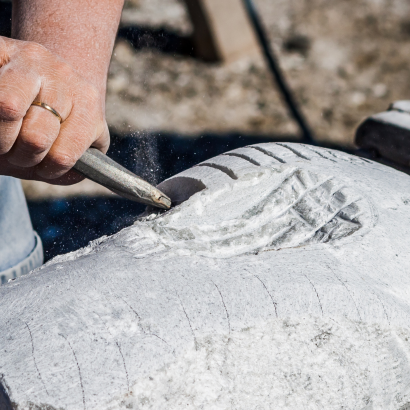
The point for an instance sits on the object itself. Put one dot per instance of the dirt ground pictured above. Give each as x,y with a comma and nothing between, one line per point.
344,59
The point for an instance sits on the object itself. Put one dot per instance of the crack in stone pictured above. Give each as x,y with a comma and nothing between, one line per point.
271,297
34,359
119,350
189,321
314,288
226,310
78,367
142,327
348,292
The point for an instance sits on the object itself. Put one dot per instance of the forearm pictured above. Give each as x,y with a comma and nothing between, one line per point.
82,32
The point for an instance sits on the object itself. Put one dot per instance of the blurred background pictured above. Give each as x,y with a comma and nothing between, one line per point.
181,90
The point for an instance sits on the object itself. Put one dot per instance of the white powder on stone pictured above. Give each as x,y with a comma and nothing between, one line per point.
286,364
190,310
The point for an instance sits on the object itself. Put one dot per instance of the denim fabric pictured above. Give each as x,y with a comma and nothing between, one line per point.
17,239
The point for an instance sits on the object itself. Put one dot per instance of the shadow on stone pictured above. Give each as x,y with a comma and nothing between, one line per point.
5,403
180,189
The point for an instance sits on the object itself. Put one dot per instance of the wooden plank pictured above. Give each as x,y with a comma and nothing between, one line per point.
222,30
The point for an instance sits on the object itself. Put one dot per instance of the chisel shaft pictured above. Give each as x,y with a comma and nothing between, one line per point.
103,170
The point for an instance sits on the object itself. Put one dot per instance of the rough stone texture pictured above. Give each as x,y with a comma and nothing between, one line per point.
282,282
345,60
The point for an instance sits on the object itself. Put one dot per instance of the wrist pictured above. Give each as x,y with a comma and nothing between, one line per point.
84,42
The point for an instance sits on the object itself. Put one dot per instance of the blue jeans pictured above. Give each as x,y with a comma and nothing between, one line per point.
20,247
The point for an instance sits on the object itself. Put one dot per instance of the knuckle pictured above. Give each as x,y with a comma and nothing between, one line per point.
64,70
35,50
62,73
11,108
34,145
62,160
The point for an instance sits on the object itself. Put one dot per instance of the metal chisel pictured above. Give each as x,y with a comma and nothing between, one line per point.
103,170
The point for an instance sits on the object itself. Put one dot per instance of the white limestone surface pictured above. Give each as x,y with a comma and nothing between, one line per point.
283,282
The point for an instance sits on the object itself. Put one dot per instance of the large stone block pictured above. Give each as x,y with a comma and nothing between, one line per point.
281,280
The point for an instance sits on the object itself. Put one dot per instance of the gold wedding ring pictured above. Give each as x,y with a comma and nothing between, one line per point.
47,107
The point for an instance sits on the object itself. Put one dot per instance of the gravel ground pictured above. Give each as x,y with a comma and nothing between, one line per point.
344,59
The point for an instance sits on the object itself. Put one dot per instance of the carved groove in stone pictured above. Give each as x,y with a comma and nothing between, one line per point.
245,157
225,170
294,208
318,153
266,152
296,152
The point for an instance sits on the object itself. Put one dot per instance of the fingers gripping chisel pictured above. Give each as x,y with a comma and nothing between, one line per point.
103,170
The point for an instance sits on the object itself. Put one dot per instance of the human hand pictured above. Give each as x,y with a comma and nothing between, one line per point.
33,143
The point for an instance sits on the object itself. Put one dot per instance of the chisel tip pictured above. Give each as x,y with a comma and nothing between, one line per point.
163,202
